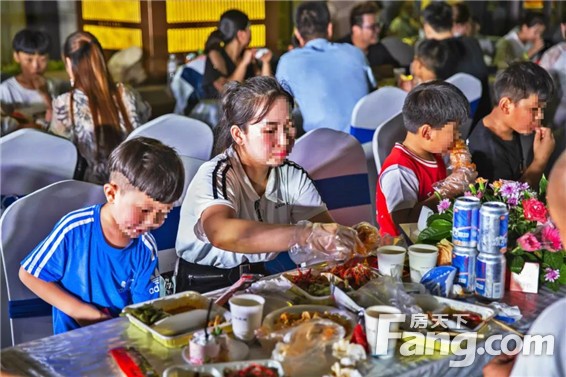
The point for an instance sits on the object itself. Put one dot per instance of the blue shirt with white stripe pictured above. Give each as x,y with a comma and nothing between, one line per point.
77,257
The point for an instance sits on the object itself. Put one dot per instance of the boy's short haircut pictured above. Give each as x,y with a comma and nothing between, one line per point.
531,19
357,12
521,80
434,103
151,167
31,42
461,13
439,16
438,56
312,19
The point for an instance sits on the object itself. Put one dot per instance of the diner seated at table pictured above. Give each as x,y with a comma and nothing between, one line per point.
249,202
432,115
26,97
99,259
550,321
521,91
97,114
228,56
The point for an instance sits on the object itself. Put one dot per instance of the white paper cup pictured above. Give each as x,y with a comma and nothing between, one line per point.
381,322
422,258
247,312
391,259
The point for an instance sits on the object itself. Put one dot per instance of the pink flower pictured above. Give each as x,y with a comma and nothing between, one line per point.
534,210
528,242
443,205
551,238
551,275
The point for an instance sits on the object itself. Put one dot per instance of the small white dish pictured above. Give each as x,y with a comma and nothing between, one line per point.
237,351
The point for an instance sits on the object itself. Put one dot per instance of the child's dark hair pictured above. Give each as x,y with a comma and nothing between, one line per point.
150,166
312,19
461,13
438,56
439,16
434,103
241,103
521,80
31,42
531,19
230,23
357,12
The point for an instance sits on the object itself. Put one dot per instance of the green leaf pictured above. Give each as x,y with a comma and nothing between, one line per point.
516,264
555,285
554,260
530,257
439,216
542,186
562,278
435,234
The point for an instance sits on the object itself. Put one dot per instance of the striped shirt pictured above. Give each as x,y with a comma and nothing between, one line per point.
77,257
290,196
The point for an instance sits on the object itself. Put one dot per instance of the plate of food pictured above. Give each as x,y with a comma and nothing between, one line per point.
252,368
311,284
286,318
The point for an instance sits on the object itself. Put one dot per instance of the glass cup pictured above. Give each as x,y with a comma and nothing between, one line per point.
247,313
390,260
381,321
422,258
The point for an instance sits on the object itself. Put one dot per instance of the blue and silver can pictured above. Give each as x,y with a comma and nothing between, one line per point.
490,276
494,221
464,259
465,222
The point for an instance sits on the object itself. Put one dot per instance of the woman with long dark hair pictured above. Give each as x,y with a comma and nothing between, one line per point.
228,56
96,114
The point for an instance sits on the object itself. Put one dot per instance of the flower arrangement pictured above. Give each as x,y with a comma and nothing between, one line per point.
532,237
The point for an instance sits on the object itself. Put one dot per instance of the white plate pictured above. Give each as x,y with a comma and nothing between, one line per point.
237,351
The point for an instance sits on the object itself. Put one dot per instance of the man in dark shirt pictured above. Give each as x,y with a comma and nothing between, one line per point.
521,91
437,24
365,29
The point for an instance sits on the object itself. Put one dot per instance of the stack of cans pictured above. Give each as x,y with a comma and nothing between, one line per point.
492,244
465,239
480,228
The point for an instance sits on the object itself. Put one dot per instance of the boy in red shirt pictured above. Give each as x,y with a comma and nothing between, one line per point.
432,114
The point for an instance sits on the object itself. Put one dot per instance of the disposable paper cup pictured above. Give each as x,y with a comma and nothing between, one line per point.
422,258
381,322
390,260
247,312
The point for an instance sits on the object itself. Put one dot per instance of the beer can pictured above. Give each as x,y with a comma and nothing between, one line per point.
490,275
464,259
465,222
494,221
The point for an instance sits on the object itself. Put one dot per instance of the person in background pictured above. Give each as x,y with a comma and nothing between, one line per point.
99,259
404,25
96,114
326,79
228,56
521,43
550,321
365,28
521,91
29,90
249,202
437,24
462,20
434,60
432,114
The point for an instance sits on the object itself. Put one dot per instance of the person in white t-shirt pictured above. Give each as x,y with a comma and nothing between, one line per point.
28,92
239,207
551,320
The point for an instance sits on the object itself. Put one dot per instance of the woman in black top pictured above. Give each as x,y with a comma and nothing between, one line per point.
228,57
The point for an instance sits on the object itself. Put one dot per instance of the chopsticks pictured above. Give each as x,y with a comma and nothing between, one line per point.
505,326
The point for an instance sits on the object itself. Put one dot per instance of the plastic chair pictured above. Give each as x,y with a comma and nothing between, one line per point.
400,51
186,85
471,87
190,137
22,227
31,159
386,135
166,235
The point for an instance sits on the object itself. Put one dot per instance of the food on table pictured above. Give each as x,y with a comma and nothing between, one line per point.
444,253
314,284
460,156
355,273
131,362
254,370
369,235
287,320
147,313
341,371
181,309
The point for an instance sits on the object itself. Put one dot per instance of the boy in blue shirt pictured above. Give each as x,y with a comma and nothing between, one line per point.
99,259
